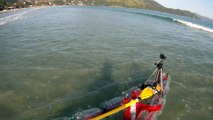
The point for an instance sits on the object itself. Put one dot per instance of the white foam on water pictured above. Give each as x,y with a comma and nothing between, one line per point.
14,17
10,18
193,25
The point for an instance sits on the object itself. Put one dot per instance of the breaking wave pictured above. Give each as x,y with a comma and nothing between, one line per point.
190,24
169,18
10,18
14,17
193,25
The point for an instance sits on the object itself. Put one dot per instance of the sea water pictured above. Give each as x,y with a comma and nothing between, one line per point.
56,61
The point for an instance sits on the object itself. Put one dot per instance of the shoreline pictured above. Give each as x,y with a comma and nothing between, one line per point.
11,10
18,9
81,5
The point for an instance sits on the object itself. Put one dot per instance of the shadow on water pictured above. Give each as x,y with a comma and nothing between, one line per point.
104,88
136,72
104,78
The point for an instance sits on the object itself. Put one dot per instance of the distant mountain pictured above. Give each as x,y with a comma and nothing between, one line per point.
204,18
145,4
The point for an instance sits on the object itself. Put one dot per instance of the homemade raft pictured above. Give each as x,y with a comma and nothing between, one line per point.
138,103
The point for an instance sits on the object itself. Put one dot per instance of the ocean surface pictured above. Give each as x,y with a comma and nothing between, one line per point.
55,61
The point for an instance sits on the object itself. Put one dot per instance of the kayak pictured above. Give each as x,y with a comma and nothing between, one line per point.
138,103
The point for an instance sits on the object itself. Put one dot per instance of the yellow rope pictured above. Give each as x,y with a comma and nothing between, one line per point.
115,110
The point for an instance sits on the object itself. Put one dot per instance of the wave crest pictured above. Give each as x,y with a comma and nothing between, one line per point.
193,25
168,18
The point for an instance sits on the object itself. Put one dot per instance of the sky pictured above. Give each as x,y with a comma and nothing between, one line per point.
202,7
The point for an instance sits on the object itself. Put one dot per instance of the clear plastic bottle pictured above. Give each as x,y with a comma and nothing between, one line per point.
113,103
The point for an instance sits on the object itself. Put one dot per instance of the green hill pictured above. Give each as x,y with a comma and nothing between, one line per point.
145,4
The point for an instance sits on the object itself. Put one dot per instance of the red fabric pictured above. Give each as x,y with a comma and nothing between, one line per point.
88,118
135,94
126,100
166,76
140,107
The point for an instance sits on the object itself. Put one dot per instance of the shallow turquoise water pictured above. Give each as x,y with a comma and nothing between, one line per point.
56,61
